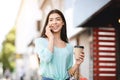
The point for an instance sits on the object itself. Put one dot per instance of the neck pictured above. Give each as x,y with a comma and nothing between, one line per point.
56,36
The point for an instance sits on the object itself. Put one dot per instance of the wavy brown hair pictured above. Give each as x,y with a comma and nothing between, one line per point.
63,33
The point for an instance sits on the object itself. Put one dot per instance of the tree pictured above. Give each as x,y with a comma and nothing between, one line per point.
7,56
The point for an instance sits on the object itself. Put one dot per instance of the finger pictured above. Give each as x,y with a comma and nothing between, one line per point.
50,25
48,28
81,55
81,58
82,52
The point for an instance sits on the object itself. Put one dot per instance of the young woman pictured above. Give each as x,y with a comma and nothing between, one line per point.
55,53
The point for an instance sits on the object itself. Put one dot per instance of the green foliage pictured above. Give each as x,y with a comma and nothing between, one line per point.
7,55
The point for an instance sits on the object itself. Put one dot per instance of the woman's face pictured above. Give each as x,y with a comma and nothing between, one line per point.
55,22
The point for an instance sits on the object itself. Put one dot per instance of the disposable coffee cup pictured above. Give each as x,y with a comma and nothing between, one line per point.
78,50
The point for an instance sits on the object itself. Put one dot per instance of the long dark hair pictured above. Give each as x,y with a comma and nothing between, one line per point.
63,33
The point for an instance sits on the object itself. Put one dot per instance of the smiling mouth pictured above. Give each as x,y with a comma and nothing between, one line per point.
54,27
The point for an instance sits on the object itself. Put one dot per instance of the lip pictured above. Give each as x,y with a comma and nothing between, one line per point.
54,27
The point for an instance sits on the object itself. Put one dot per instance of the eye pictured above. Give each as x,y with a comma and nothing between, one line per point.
50,19
58,19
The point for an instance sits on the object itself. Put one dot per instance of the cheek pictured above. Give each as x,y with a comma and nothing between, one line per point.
49,23
61,24
61,27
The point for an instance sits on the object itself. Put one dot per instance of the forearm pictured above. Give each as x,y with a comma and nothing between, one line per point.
73,69
51,44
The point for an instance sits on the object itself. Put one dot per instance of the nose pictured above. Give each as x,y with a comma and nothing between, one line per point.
54,21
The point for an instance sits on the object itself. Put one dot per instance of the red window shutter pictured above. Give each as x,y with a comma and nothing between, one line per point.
104,67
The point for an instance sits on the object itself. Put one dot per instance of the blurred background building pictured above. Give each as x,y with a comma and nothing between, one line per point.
93,24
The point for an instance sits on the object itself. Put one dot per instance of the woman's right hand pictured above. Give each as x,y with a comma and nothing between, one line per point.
48,32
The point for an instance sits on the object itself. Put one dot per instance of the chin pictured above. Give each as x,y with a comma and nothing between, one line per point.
55,31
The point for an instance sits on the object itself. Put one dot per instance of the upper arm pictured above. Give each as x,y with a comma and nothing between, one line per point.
40,48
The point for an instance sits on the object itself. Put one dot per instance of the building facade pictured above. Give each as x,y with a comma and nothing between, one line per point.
30,27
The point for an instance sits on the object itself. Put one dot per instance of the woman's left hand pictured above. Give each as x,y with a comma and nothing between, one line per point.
80,58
